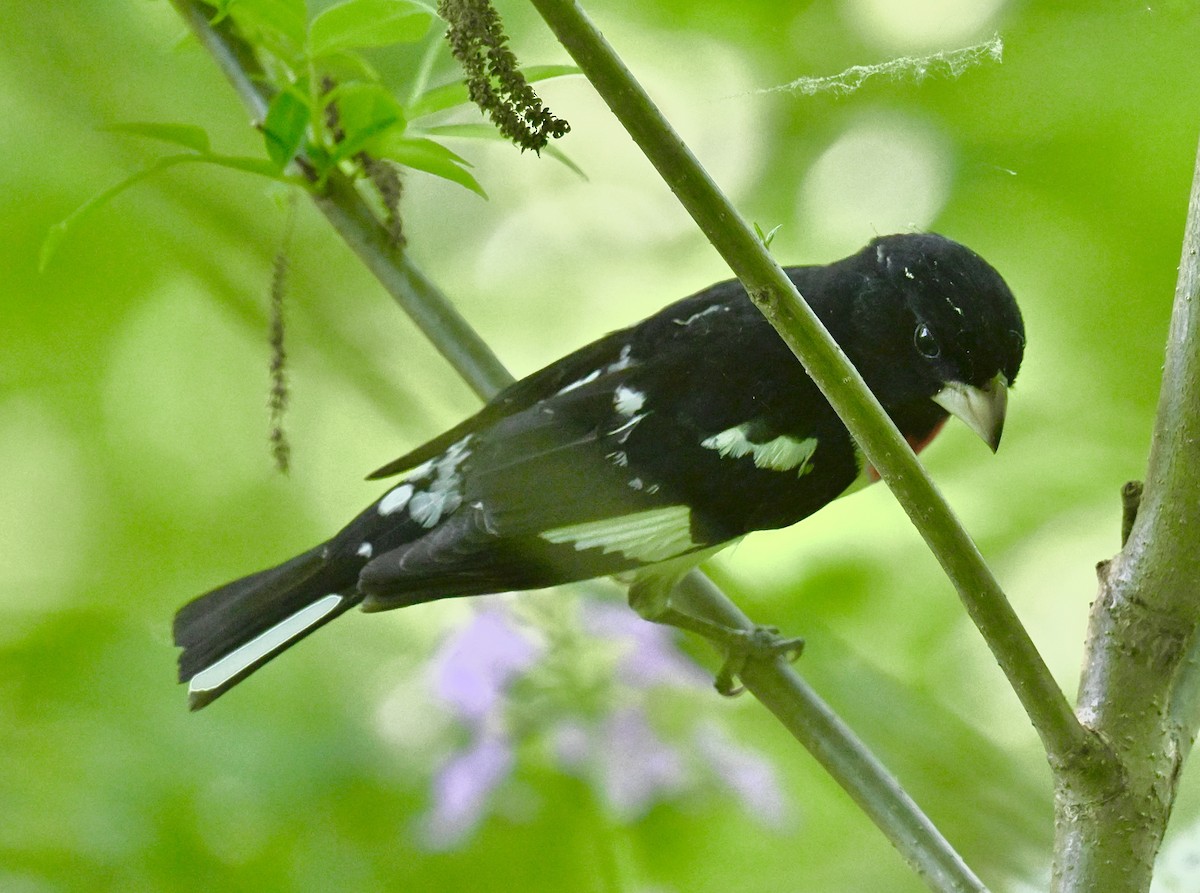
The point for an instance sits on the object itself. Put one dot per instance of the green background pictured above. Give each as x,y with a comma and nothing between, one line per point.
135,472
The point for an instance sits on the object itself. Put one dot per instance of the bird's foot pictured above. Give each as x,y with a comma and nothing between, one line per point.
744,645
739,645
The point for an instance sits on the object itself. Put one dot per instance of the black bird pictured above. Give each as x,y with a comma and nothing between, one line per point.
645,451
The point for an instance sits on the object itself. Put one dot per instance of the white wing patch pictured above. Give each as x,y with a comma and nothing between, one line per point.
396,499
578,383
715,308
263,645
428,502
625,430
652,535
783,453
627,401
623,361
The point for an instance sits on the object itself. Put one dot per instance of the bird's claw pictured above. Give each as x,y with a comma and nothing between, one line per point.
745,645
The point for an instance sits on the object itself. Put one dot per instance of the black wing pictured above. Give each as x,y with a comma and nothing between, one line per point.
595,358
659,441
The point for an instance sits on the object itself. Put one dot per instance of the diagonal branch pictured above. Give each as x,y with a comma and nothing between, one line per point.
1065,739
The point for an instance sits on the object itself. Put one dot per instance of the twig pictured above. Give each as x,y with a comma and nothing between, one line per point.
1131,500
842,754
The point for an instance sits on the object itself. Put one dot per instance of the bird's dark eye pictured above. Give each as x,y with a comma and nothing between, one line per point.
925,342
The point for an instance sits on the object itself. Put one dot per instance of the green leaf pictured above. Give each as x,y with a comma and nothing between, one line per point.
277,24
247,165
488,132
562,158
447,96
767,238
364,112
285,125
535,73
187,135
59,231
367,23
433,158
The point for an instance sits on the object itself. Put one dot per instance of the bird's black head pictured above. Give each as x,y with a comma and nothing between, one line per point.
933,321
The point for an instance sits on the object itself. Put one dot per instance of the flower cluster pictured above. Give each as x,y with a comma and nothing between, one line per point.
494,80
584,692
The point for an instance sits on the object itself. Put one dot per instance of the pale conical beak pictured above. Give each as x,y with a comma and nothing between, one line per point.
982,409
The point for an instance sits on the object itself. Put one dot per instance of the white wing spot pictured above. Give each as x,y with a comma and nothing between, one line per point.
908,274
438,497
264,644
587,379
429,507
396,499
627,401
782,453
366,550
420,471
623,361
618,458
652,535
636,483
715,308
627,429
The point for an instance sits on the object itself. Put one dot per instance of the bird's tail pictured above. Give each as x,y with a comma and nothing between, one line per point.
233,630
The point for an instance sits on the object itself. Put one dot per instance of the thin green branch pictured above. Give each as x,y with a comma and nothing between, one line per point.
1066,741
840,752
835,746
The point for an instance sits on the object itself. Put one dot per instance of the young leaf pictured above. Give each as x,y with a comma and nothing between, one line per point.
187,135
447,96
59,231
276,24
767,238
433,158
285,125
488,132
367,23
364,111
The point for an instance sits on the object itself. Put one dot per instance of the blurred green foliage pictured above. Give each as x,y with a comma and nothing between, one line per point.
136,473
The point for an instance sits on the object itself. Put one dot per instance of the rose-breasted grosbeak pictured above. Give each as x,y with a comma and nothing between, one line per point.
645,451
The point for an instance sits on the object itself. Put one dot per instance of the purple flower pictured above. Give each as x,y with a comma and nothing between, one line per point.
475,665
748,775
619,753
630,764
572,744
649,657
461,789
636,767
